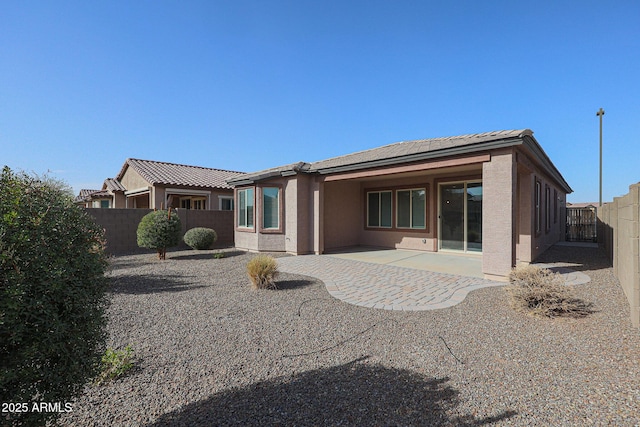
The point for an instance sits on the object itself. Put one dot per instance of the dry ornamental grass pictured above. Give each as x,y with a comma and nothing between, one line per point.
541,292
262,271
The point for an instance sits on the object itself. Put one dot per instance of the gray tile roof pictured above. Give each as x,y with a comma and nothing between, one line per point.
164,173
404,149
399,152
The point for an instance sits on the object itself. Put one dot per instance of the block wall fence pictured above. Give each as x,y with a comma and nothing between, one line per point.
618,233
121,224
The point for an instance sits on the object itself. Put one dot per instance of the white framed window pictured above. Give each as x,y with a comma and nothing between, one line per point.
245,208
270,208
379,207
411,208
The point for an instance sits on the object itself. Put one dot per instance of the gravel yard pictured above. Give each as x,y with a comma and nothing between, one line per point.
213,351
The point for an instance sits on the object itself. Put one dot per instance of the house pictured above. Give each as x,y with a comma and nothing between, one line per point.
93,199
496,195
111,195
153,184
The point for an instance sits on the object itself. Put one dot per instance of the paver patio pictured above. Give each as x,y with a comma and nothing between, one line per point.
377,283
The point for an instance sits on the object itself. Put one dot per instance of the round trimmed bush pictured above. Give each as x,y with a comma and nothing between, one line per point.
159,230
52,296
200,238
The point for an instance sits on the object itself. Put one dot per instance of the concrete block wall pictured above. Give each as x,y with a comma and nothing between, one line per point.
619,223
121,225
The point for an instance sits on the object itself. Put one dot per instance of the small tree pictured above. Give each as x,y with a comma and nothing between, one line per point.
159,230
52,295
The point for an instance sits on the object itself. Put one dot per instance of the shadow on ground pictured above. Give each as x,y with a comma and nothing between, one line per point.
353,394
147,284
576,258
293,284
206,255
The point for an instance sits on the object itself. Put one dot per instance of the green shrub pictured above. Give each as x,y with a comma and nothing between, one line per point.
200,238
52,295
159,230
262,271
541,292
115,363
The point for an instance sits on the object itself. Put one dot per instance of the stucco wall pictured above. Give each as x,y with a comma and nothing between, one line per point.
498,219
529,243
619,233
282,240
131,180
342,214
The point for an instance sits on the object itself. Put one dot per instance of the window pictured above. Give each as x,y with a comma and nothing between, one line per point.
185,203
245,205
199,204
379,209
555,206
538,212
547,207
270,208
104,203
411,208
225,203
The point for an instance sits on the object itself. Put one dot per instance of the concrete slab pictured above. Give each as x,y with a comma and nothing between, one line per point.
469,265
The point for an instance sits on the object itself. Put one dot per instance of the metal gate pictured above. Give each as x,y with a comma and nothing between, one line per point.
581,225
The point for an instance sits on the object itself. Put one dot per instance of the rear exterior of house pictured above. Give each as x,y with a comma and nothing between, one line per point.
496,195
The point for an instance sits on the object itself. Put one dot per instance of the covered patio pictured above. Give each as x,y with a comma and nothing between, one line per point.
468,265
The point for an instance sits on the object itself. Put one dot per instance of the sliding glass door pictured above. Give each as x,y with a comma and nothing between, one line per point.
460,216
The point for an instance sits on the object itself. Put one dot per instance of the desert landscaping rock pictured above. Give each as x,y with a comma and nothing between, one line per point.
212,351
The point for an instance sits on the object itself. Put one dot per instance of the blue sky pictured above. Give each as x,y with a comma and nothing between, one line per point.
248,85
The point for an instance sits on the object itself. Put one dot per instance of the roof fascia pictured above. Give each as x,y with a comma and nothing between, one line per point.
542,157
300,167
468,149
123,169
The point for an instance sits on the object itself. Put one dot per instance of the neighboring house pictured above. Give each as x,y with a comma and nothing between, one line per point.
94,199
588,205
159,185
111,196
496,194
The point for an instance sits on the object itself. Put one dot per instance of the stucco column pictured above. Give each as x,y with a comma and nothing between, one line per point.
317,215
499,184
525,216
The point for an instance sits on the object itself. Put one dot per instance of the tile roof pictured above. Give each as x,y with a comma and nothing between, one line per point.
582,205
86,195
112,184
399,152
164,173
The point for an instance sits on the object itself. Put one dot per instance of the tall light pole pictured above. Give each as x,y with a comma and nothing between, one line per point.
600,113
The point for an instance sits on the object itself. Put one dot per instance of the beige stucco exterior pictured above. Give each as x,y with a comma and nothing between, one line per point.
322,213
